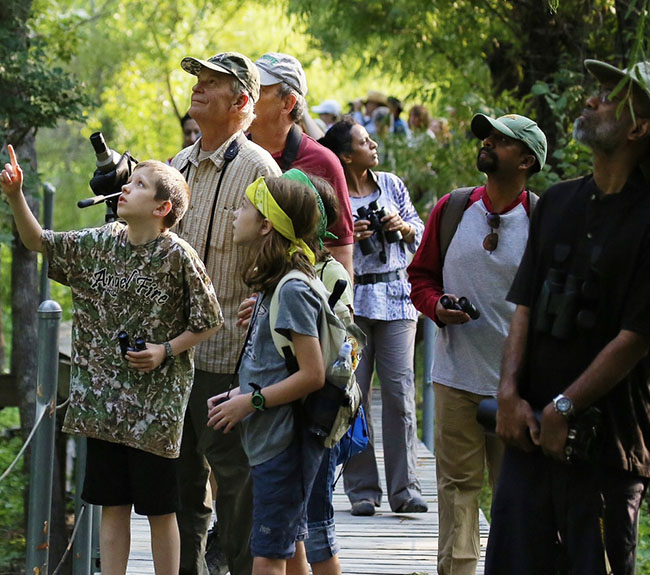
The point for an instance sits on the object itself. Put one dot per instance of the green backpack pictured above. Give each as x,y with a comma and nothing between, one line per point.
329,411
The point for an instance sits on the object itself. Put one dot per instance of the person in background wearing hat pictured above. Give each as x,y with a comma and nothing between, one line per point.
218,168
471,248
373,101
282,103
556,508
329,111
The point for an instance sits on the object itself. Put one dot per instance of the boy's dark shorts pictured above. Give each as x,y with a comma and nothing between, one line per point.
121,475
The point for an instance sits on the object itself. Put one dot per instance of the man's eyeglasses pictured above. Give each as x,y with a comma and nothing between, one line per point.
491,241
606,95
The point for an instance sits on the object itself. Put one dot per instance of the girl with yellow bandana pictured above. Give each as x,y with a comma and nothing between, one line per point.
278,221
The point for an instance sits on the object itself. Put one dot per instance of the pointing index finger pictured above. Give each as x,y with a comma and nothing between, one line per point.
12,158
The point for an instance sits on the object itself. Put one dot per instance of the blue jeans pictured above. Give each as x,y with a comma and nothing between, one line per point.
321,543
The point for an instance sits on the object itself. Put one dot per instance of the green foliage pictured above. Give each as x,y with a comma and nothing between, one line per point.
12,536
37,90
643,551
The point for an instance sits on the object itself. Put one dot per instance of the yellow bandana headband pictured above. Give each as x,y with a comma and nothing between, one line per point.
259,195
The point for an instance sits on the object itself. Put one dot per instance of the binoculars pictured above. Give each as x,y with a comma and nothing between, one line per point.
374,214
125,344
564,303
462,304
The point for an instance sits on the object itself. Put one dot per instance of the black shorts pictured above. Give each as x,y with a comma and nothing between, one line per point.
121,475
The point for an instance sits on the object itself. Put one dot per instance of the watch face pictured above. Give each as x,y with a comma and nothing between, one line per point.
563,405
257,400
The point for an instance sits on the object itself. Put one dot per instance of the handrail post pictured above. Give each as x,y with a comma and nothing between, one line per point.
430,333
82,545
42,458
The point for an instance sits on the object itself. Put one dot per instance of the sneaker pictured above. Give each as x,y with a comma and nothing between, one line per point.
363,507
414,505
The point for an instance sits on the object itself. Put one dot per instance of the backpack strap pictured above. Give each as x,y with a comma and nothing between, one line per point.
532,202
452,213
284,345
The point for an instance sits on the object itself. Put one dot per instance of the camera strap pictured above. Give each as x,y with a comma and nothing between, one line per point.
229,156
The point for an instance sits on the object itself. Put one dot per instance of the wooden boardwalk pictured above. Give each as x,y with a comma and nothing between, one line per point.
386,544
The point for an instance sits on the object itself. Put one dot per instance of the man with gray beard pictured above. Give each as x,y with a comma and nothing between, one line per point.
574,393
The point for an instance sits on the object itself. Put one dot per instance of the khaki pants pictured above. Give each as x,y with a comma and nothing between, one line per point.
462,449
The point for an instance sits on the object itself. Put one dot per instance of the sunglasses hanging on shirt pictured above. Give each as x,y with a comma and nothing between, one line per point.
491,241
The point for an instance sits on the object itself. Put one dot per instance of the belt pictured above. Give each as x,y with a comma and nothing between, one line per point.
366,279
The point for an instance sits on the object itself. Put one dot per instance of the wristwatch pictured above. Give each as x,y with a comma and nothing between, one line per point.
564,406
257,399
169,358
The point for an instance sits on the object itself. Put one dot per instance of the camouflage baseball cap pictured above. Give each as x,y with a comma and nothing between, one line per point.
514,126
639,74
275,67
232,63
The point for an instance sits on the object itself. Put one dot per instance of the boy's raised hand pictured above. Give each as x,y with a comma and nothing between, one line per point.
11,178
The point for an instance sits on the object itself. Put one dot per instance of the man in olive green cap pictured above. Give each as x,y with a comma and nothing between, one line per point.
218,168
576,360
471,247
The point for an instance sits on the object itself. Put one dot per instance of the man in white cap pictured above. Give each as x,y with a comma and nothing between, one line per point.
218,168
329,111
281,105
574,475
471,248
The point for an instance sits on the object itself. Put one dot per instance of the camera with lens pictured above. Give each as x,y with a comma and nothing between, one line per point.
582,436
112,172
125,344
374,214
462,304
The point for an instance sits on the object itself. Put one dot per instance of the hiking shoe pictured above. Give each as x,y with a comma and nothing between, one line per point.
363,507
414,505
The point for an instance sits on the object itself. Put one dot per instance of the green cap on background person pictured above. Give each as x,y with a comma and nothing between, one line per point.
514,126
232,63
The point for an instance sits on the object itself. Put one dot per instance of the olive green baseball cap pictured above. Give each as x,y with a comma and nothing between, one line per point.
639,74
232,63
514,126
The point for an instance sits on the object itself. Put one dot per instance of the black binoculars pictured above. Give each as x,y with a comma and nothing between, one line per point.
561,302
125,344
374,214
462,304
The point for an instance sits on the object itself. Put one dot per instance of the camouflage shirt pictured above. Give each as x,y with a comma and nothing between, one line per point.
156,291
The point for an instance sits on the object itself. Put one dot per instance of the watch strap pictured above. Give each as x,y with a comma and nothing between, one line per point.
169,353
258,401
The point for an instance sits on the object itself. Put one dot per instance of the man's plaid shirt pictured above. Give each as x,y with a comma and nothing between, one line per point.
220,353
